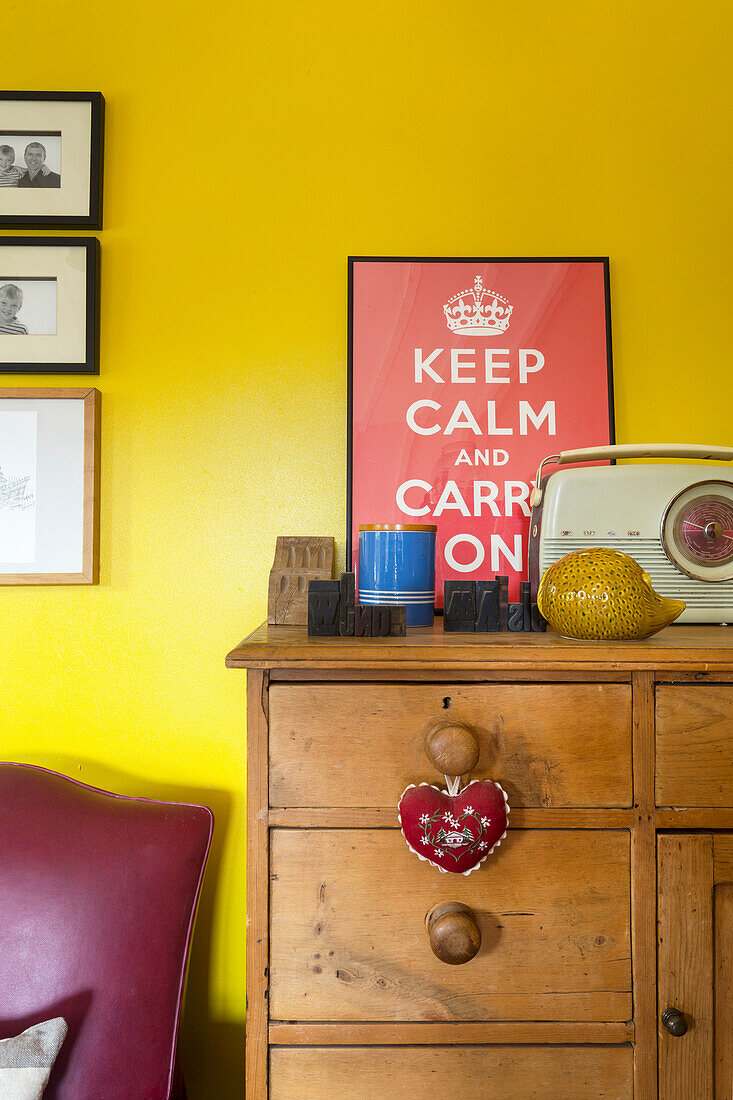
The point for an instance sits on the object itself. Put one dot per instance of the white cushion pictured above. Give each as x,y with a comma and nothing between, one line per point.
26,1061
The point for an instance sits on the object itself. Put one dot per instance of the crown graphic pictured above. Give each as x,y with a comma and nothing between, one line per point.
478,312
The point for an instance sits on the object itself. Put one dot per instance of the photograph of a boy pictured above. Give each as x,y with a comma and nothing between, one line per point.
11,301
11,173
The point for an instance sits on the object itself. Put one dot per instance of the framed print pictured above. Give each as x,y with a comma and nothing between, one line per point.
463,375
49,297
51,159
49,486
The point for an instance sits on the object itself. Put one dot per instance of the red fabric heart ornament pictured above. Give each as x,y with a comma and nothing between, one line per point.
454,832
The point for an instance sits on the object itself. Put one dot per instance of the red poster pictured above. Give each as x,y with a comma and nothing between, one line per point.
463,376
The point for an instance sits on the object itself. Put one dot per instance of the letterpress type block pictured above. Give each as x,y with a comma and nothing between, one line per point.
459,600
397,620
539,622
503,602
363,620
516,617
347,601
380,620
323,608
487,607
526,600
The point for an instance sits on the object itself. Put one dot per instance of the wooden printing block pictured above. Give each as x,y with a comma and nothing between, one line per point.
397,620
323,608
298,560
363,620
287,597
526,601
347,602
459,607
503,602
516,617
487,607
380,620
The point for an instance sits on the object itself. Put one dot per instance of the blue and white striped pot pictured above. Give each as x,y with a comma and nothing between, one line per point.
397,566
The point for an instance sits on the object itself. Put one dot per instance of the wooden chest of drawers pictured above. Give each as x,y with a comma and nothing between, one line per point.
609,902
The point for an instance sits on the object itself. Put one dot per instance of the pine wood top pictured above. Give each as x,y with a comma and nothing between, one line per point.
686,648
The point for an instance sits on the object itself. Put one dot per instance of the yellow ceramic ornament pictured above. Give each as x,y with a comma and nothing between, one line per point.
603,594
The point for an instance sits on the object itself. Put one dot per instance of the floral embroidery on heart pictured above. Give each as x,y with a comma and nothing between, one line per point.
458,840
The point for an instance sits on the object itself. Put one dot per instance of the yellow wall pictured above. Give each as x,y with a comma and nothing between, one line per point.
251,147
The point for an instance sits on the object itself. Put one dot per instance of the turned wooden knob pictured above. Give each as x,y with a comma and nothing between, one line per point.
455,936
452,747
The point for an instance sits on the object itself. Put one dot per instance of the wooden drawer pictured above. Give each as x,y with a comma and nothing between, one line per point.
694,751
348,939
469,1072
559,745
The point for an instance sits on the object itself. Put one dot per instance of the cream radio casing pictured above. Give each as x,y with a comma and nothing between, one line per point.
675,520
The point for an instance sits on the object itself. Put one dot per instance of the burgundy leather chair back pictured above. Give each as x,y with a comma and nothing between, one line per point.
98,895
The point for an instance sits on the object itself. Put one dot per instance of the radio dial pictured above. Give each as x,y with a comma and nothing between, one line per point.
697,531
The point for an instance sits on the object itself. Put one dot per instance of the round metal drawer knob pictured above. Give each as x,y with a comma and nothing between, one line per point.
674,1021
454,934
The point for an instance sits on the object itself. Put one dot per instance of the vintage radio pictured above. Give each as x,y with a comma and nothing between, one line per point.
675,520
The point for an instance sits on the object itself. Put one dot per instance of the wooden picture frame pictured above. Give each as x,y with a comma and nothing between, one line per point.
49,488
69,128
50,325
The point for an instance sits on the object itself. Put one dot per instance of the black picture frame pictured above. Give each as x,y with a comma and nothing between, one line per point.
93,218
87,338
467,260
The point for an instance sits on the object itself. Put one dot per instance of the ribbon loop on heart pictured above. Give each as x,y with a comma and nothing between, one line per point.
453,783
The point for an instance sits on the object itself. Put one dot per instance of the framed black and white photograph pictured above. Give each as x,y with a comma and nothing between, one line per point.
49,486
51,159
49,305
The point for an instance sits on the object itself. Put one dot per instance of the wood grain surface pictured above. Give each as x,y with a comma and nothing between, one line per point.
385,817
723,920
723,858
359,1005
686,964
437,1073
644,890
706,817
683,648
257,888
348,939
694,745
427,1034
549,745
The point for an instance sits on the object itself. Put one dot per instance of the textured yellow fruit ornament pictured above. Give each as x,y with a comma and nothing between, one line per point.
602,593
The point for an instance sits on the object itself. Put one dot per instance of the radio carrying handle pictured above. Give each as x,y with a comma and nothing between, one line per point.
629,450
